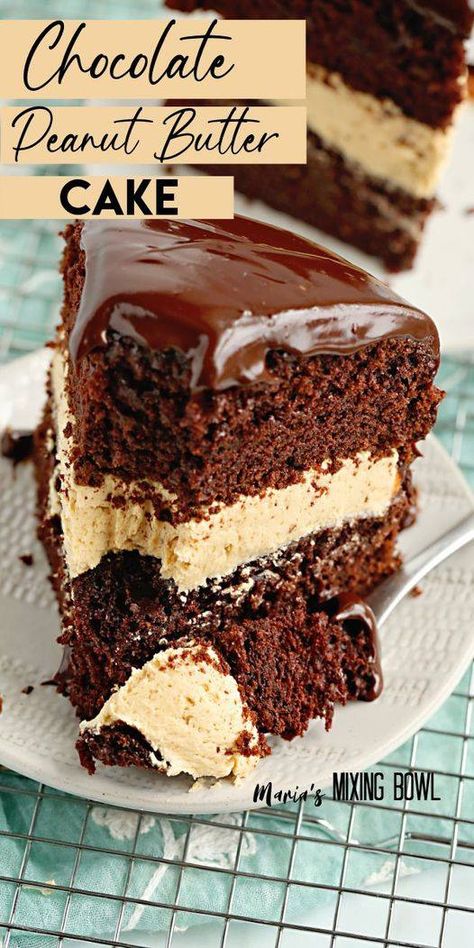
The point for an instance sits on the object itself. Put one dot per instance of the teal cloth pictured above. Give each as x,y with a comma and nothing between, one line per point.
317,858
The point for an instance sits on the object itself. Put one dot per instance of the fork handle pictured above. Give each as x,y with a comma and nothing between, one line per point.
384,600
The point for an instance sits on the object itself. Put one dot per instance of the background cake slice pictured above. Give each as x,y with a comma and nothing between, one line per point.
223,468
385,80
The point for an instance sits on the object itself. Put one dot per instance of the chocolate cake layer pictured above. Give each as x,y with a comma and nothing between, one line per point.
136,416
384,83
225,446
383,221
262,624
407,51
124,612
289,661
375,136
116,516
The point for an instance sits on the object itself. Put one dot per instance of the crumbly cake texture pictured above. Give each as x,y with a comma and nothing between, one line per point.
409,51
270,620
178,442
385,80
384,222
124,611
133,416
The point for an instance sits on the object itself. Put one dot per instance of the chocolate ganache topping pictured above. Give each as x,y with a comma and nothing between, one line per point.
358,618
226,292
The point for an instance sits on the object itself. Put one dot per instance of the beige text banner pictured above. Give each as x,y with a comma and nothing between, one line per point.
153,59
193,196
40,134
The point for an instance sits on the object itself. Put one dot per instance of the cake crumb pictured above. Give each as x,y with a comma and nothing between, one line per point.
42,890
27,559
16,446
416,591
27,690
204,783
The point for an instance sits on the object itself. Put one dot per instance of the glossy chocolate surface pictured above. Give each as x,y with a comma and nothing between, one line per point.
354,612
226,292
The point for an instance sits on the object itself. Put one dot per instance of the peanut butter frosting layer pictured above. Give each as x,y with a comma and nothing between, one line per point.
115,516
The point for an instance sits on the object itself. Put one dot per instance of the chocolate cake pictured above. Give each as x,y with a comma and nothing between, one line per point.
385,80
223,469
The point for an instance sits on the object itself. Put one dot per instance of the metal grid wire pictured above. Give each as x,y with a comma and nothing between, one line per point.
392,907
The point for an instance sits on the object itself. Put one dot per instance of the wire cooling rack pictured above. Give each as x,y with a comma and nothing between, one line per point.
418,880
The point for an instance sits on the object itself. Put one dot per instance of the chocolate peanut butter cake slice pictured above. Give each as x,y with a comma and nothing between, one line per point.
385,79
223,469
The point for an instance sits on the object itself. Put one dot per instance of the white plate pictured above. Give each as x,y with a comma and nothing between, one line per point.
426,647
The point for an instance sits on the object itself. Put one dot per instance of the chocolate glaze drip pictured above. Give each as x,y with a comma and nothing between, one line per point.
226,292
62,675
17,446
348,608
